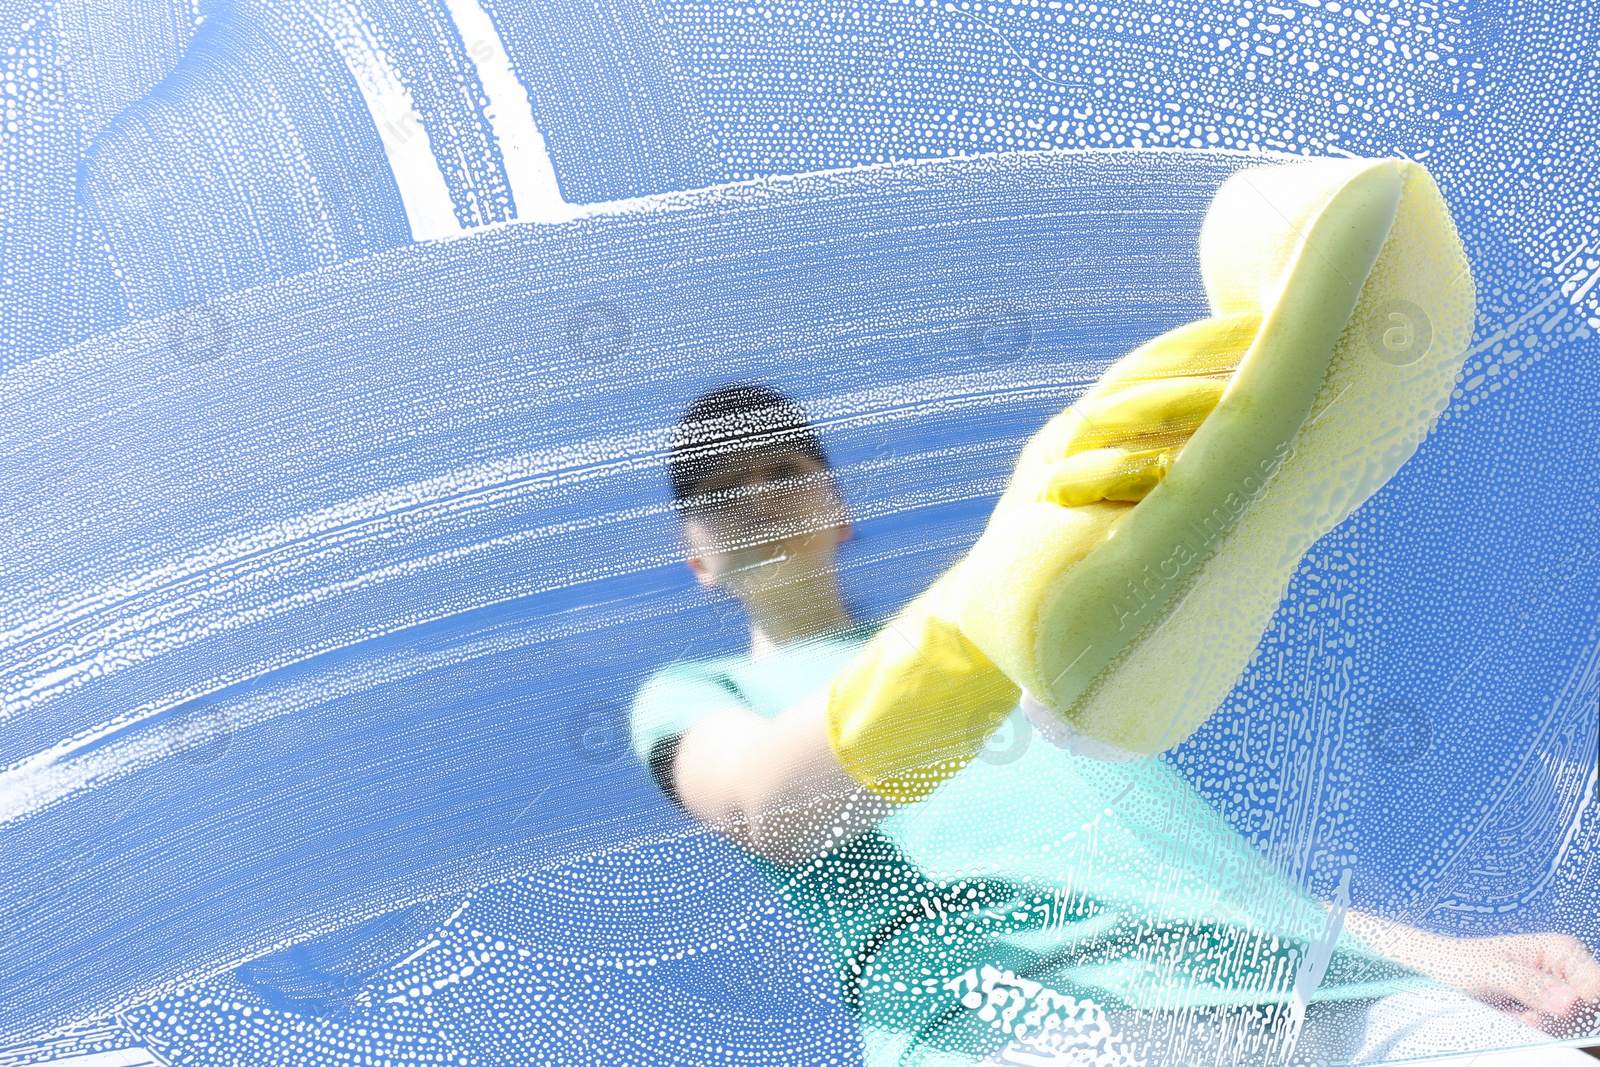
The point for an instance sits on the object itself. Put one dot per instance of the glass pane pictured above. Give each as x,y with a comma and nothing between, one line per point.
888,533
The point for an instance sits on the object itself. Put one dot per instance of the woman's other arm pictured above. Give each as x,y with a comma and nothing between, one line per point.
1548,980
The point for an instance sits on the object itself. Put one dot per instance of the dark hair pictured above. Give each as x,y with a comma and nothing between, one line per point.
732,420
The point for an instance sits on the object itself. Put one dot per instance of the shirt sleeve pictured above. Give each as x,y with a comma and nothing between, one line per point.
674,699
663,757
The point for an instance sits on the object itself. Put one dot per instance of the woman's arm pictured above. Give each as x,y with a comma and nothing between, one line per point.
773,786
1550,981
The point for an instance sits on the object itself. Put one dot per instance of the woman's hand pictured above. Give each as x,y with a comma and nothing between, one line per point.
1549,981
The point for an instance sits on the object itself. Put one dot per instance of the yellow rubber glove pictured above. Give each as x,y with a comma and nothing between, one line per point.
917,702
1342,304
920,698
914,706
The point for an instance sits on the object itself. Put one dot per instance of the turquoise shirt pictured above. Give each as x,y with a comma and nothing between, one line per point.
1033,876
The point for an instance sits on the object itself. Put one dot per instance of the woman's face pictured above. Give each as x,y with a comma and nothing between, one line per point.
769,517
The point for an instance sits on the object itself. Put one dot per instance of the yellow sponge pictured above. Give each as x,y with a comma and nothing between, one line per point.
1342,305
